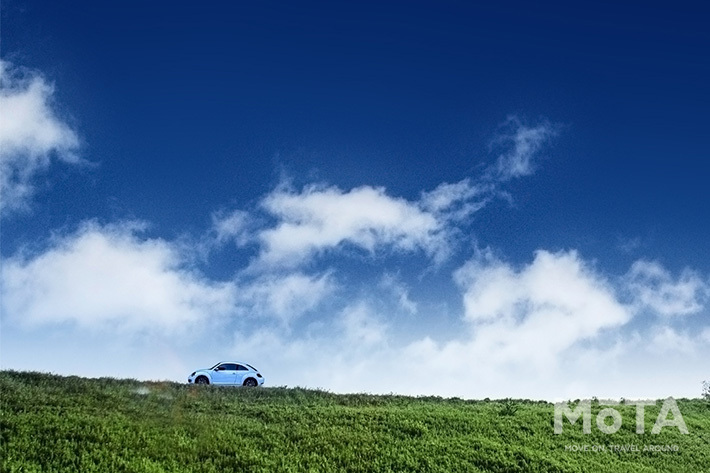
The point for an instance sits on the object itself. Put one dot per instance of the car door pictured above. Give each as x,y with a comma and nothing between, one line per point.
225,373
242,372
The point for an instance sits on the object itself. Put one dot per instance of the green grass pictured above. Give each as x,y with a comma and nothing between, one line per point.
66,424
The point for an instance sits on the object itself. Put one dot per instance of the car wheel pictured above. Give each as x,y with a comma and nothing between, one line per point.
202,380
250,382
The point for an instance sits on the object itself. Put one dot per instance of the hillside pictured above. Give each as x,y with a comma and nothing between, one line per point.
54,423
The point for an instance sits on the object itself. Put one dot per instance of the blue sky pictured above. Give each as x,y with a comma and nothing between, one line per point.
429,199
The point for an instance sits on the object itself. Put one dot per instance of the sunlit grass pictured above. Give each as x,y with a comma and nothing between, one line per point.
54,423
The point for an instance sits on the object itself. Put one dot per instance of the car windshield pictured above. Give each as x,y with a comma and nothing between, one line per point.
216,365
250,366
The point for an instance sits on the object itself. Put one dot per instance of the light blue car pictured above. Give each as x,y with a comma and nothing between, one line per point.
228,373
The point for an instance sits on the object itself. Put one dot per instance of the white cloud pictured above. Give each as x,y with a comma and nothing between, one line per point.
544,329
321,218
285,297
110,277
667,339
456,201
597,357
31,134
628,245
535,331
534,314
231,226
654,288
361,328
556,331
400,292
520,143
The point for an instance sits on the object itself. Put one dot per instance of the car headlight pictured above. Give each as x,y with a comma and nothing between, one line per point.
258,375
193,374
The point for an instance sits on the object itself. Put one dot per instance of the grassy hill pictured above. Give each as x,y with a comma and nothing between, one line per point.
54,423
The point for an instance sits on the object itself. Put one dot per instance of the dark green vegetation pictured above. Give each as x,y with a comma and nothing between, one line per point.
71,424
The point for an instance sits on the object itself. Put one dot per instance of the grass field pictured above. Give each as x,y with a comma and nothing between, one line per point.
71,424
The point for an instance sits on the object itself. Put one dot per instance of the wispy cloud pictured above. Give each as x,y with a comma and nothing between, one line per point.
361,328
284,297
302,224
518,144
233,225
400,292
31,135
666,339
457,201
652,287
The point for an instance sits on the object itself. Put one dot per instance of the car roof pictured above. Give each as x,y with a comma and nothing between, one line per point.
237,362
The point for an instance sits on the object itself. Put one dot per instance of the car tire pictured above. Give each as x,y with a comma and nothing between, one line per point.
202,380
250,382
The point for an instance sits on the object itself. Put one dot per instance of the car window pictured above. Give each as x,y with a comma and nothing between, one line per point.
228,366
241,368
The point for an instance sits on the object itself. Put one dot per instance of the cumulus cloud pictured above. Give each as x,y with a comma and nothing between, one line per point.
321,218
111,277
654,288
541,329
533,314
525,325
31,135
554,328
